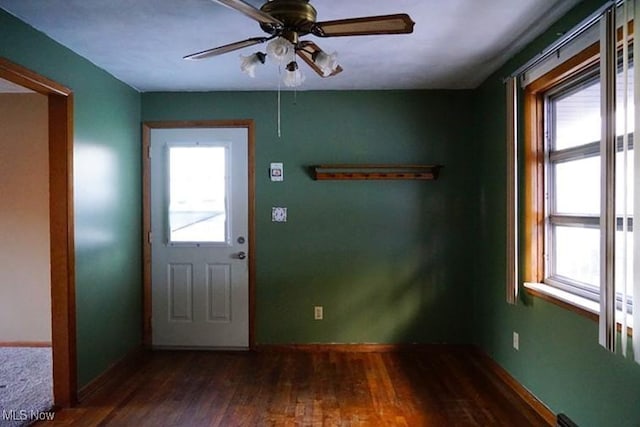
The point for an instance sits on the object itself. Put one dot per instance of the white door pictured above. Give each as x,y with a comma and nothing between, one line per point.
199,242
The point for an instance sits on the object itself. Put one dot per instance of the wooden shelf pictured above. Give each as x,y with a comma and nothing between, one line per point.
376,172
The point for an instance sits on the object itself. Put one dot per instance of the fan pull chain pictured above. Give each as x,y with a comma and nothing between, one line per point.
279,80
295,88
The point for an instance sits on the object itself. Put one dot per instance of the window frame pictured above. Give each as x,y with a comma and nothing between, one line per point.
168,212
584,76
535,180
535,184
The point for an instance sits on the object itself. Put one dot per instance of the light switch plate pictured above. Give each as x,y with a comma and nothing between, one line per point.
278,214
276,171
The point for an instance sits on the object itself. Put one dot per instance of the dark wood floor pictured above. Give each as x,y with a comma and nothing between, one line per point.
443,387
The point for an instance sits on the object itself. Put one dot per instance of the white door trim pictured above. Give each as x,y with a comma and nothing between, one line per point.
146,212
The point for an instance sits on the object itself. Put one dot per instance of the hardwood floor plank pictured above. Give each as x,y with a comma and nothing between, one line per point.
440,387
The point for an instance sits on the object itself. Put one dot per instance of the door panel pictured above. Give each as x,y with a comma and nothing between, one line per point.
219,293
199,224
180,292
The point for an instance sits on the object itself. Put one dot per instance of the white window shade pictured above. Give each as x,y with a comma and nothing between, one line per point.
636,201
512,190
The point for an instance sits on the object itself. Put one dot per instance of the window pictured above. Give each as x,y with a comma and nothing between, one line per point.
564,172
197,209
580,167
572,181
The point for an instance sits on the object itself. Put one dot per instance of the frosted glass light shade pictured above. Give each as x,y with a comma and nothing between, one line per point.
249,63
293,77
280,49
327,63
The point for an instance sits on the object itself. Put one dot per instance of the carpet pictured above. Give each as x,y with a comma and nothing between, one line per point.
26,385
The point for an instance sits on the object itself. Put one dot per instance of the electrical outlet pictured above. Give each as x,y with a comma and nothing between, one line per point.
516,341
318,312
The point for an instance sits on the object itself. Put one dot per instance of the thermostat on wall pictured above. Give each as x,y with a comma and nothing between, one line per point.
276,171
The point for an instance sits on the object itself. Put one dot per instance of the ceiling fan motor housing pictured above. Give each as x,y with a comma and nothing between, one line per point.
298,16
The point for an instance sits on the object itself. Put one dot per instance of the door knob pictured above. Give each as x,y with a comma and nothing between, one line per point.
242,255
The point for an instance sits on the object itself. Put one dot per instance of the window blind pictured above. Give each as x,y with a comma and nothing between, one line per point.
512,190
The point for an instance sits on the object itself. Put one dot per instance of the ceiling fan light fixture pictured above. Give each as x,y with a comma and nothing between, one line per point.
327,63
286,21
293,77
280,49
249,63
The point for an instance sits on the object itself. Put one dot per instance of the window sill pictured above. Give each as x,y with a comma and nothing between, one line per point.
571,302
574,303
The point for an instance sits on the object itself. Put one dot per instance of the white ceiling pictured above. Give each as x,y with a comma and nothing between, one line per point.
456,43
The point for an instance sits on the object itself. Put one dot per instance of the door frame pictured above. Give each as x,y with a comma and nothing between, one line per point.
61,223
147,127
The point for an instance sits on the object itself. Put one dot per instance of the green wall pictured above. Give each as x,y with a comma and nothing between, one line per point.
559,360
107,181
391,262
387,260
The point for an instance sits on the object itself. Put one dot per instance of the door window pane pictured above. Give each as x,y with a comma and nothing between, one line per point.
577,186
577,253
197,194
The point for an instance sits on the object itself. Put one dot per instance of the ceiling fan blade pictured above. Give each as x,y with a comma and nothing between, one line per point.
252,12
370,25
306,51
226,48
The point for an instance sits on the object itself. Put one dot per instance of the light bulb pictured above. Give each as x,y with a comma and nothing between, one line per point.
248,64
279,49
327,63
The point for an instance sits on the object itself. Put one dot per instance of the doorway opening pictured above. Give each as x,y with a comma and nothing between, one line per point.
61,232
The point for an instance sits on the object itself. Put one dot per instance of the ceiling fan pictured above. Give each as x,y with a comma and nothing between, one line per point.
286,21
